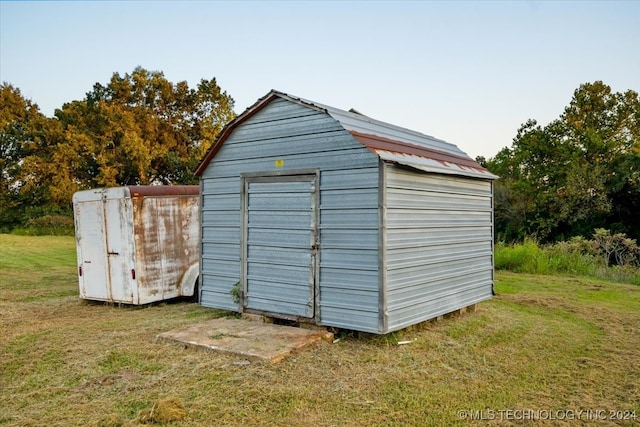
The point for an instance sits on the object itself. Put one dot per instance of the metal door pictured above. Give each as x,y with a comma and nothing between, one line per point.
280,245
119,247
92,250
105,247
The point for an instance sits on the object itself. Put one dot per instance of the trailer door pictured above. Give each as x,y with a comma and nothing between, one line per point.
92,250
119,246
105,246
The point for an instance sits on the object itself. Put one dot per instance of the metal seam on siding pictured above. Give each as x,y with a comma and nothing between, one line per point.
244,212
493,233
382,247
317,252
201,227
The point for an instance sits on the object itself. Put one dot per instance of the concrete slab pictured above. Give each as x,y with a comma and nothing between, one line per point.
253,340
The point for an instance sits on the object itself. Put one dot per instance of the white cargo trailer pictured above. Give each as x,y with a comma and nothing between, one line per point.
137,244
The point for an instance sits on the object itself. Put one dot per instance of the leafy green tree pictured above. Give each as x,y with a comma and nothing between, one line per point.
143,129
22,132
578,173
138,129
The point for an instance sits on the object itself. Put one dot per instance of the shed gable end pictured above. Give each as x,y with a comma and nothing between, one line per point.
284,137
294,135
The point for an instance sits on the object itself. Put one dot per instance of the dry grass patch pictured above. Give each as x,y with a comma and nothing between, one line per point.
541,343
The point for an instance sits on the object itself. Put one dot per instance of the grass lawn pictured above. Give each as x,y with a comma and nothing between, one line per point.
547,346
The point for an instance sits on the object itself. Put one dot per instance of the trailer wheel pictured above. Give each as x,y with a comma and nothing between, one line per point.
196,291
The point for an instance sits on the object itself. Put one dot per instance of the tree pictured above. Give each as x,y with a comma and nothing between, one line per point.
138,129
22,129
578,173
143,129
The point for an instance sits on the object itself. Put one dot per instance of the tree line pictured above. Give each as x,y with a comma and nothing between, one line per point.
579,173
138,129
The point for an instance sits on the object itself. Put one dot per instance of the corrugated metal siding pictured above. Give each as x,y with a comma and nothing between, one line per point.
220,260
439,243
303,138
280,233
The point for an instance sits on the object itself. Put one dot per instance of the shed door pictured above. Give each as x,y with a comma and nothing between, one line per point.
280,241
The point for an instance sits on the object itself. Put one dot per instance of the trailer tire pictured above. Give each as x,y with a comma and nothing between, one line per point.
196,291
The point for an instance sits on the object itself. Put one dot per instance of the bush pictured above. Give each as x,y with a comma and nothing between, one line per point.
617,249
47,225
612,257
571,258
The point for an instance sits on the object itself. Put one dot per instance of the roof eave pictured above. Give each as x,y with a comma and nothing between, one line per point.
418,157
424,164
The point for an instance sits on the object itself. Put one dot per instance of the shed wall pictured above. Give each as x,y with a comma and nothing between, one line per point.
285,136
438,244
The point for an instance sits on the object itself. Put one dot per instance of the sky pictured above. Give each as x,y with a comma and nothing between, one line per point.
468,72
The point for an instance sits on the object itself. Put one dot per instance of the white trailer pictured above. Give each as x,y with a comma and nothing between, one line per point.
137,244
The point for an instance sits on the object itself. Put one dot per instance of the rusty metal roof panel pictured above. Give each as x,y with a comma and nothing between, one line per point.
432,164
356,122
163,190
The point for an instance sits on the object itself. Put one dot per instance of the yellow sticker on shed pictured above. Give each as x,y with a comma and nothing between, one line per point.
279,163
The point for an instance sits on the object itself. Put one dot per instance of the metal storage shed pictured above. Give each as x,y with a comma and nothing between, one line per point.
318,214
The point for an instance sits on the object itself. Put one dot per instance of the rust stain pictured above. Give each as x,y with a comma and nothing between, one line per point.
167,240
163,190
374,142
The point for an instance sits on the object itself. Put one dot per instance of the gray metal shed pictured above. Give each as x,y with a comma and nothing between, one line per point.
314,213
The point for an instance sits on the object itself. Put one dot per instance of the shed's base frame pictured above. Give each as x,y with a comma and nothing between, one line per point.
309,324
455,313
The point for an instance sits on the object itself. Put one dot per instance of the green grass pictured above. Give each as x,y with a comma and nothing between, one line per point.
37,267
544,342
529,257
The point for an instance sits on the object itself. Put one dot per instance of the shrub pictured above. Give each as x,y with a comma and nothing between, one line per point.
617,249
612,257
47,225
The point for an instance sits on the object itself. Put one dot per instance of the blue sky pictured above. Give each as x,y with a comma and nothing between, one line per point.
466,72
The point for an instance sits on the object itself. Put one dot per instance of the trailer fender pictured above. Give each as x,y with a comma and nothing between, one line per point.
189,280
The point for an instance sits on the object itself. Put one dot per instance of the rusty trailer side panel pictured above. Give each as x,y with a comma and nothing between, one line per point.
137,245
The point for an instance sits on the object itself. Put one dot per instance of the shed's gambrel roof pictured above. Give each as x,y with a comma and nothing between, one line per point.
389,142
